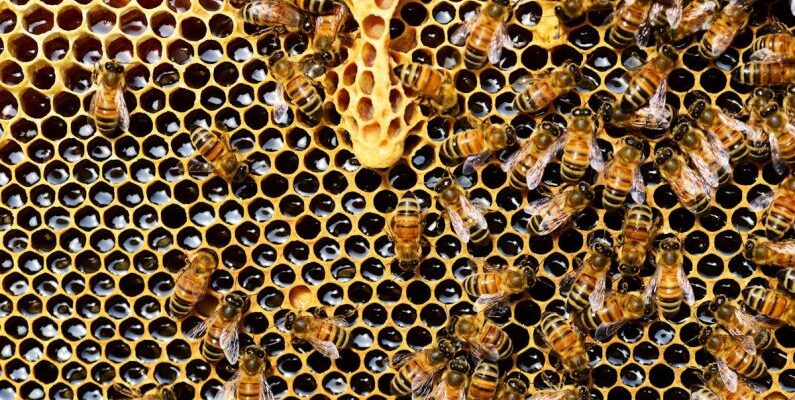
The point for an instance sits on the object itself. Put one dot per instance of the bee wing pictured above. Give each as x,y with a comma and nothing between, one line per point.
687,289
606,330
514,158
596,158
265,392
524,82
556,215
744,319
535,206
230,343
229,391
767,56
638,189
536,171
488,301
570,277
728,376
651,287
422,384
474,161
700,394
762,202
126,391
473,211
756,387
399,359
459,35
734,123
674,13
775,149
200,329
124,114
458,226
487,351
280,106
199,167
597,297
95,100
715,149
690,182
498,41
747,342
326,348
548,395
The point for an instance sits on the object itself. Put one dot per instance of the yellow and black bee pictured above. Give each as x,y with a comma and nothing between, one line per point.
224,159
765,252
568,10
405,229
721,33
124,392
483,338
527,164
645,81
765,73
483,383
539,91
250,382
466,218
697,16
740,324
417,371
221,330
587,284
786,280
689,186
640,228
108,108
758,137
485,34
326,335
433,86
513,387
669,282
733,357
192,283
567,344
454,381
771,304
780,206
477,144
627,21
327,39
706,154
278,15
621,177
782,137
295,86
580,149
789,102
550,213
316,6
618,309
715,388
492,286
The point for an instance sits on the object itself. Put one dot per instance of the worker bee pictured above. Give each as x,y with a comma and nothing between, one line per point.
706,155
222,158
485,34
483,383
454,381
587,283
493,285
669,282
780,207
162,392
644,81
764,252
435,87
733,357
405,230
484,339
740,324
417,371
786,280
781,134
221,330
326,335
727,24
250,380
295,86
565,393
621,177
476,145
640,228
758,138
699,392
789,102
316,7
619,308
566,343
527,164
512,388
580,149
108,108
689,186
771,305
714,384
657,115
697,16
537,92
327,40
276,15
549,213
192,283
626,22
466,218
568,10
764,73
774,47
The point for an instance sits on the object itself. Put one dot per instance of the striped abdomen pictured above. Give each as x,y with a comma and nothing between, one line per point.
618,182
315,6
780,43
477,234
733,140
106,113
560,336
744,363
249,387
272,13
304,94
622,32
211,345
207,144
611,312
786,145
480,284
766,302
669,292
407,221
492,335
639,225
189,290
463,145
717,38
329,332
780,216
413,370
641,88
421,78
536,97
526,160
577,299
477,47
483,384
576,155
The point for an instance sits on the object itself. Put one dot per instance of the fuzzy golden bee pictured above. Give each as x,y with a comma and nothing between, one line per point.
192,283
454,381
327,335
777,46
619,308
626,22
580,149
294,85
706,155
714,385
554,332
483,338
621,176
415,372
656,115
493,285
733,357
669,283
765,73
587,283
570,392
125,392
770,304
732,18
107,107
689,186
512,388
758,138
405,230
644,81
780,206
740,324
550,213
222,158
434,87
477,144
250,380
568,10
221,330
637,234
321,7
466,218
781,135
536,92
697,16
484,34
484,380
761,251
527,164
280,16
327,39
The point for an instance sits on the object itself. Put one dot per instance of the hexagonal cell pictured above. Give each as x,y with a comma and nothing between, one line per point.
133,22
8,20
119,48
69,18
101,20
55,47
87,50
163,24
149,50
11,73
23,48
38,20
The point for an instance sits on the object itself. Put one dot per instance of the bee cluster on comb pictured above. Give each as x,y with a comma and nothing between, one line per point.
437,199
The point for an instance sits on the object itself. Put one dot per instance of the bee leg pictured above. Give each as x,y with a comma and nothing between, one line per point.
538,338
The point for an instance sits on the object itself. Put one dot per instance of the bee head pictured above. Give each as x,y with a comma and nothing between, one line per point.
205,261
572,74
510,134
633,148
289,320
276,57
670,244
753,250
764,93
664,158
581,112
166,393
529,272
722,309
459,364
114,73
515,382
680,132
408,265
233,305
586,190
567,9
697,108
771,115
706,336
602,254
628,270
669,52
241,172
447,347
307,24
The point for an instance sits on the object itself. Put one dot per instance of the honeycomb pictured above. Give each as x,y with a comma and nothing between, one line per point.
95,228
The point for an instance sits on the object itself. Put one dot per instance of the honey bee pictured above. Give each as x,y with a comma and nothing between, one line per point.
483,383
780,207
222,158
484,339
702,393
786,280
733,357
626,22
435,87
549,213
566,393
568,10
770,304
108,108
764,252
276,15
707,156
640,228
587,284
326,335
466,218
416,371
485,34
774,47
250,380
764,73
789,102
567,344
222,330
697,16
512,388
162,392
689,186
493,285
327,40
721,33
619,308
454,381
715,384
476,145
758,138
644,81
192,283
316,7
657,115
740,324
405,229
781,134
527,164
669,282
621,177
295,86
535,93
580,149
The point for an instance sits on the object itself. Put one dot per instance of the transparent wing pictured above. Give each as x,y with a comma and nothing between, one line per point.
747,343
280,106
687,289
488,301
536,206
473,212
200,329
422,383
126,391
548,395
498,41
570,277
651,287
638,189
230,343
728,376
124,114
516,156
775,155
734,123
767,56
524,82
197,166
597,297
650,118
536,171
92,107
607,330
762,202
438,392
715,149
556,214
744,319
474,161
595,156
460,34
265,392
674,13
721,42
691,183
326,348
459,227
784,247
398,360
229,391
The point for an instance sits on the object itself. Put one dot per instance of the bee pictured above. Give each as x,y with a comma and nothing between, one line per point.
454,381
297,87
568,10
721,33
549,213
789,102
706,155
740,324
316,7
484,339
416,371
619,308
774,47
786,280
697,16
621,177
535,93
770,304
733,357
780,207
405,229
657,115
758,138
222,158
714,383
466,218
527,164
192,283
512,388
764,252
222,330
250,380
689,186
327,40
626,22
669,282
765,73
565,393
485,34
493,285
640,228
587,284
326,335
162,392
476,145
435,87
483,383
580,149
276,15
702,393
567,344
781,134
644,81
108,108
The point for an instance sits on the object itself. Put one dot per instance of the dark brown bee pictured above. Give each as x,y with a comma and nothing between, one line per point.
327,39
108,108
485,34
278,15
223,158
727,130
